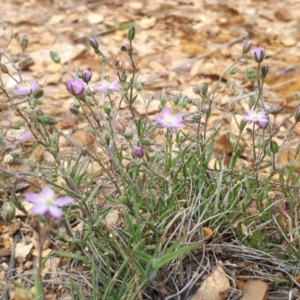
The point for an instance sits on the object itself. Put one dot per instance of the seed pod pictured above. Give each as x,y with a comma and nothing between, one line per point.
47,120
8,212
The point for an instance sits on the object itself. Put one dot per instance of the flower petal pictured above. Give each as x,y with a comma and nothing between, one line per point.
165,113
63,201
261,114
55,211
47,193
263,123
39,209
34,198
177,118
33,85
25,136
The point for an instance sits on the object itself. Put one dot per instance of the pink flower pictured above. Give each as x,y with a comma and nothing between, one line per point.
107,87
258,54
26,88
138,152
46,204
75,87
18,139
86,75
169,121
260,118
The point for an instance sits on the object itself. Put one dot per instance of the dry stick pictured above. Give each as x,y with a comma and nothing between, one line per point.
11,267
198,57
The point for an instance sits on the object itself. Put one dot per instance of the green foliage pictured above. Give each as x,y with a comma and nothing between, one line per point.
142,219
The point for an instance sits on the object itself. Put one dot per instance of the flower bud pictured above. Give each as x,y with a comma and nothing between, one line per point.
86,75
8,212
146,142
128,135
275,109
258,54
264,72
126,48
247,47
38,93
131,34
138,86
74,111
94,43
38,111
183,102
163,99
201,89
233,71
107,108
55,57
251,101
196,118
176,98
244,61
24,41
274,147
138,152
47,120
123,76
250,73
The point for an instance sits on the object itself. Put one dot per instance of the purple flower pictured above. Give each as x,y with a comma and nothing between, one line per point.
75,87
18,139
260,118
46,204
86,75
169,121
107,87
26,88
138,152
258,54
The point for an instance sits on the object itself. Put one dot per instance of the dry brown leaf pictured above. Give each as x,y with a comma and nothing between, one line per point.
147,23
215,287
208,233
83,138
112,218
257,290
22,251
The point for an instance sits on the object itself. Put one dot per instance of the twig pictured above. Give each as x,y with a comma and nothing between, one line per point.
11,267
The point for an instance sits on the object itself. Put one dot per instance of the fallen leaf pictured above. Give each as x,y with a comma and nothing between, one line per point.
22,251
215,287
257,290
